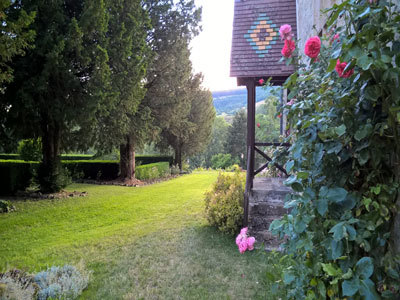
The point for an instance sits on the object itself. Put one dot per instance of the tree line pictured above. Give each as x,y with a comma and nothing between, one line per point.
105,74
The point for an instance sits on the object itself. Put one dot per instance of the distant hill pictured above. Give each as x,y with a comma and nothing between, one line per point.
229,102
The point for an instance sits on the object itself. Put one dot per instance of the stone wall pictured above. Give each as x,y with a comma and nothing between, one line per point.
308,15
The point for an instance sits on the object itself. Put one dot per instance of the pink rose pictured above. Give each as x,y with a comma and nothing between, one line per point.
258,125
261,81
288,49
250,243
313,47
340,69
243,231
285,32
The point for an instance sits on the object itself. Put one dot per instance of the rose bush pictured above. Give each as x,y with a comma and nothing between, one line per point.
344,161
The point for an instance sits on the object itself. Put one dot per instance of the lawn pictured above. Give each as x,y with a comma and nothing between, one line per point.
150,242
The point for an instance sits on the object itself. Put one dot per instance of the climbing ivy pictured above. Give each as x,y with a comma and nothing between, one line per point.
344,159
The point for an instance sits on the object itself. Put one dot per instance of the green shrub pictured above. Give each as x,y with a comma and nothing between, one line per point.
151,159
92,169
30,149
221,161
152,171
224,203
76,156
5,206
9,156
15,175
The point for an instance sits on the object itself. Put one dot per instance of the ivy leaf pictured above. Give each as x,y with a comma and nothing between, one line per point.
367,289
336,194
322,206
350,287
365,267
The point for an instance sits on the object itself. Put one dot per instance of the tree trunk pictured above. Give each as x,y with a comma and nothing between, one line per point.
127,159
50,171
178,157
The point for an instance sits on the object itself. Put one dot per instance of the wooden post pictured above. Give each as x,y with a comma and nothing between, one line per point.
251,120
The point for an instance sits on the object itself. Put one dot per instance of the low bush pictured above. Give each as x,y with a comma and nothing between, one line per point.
65,282
222,161
30,149
15,175
152,171
6,206
92,169
224,203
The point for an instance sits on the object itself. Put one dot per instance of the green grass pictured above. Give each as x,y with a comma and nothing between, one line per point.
148,242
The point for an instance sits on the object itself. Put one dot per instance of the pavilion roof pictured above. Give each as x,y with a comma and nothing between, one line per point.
256,45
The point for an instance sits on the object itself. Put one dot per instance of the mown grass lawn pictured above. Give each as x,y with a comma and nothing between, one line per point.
150,242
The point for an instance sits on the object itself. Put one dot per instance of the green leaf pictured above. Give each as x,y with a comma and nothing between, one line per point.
321,288
350,287
337,249
322,206
364,13
363,132
351,231
393,273
365,267
367,289
386,58
364,62
330,270
332,65
302,175
363,157
338,231
340,130
336,194
356,51
289,165
288,278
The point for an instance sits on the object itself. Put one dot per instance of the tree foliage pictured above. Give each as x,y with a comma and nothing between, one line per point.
344,161
59,85
237,137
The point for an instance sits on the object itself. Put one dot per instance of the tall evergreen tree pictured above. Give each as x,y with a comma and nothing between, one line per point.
59,86
191,134
237,136
15,38
127,123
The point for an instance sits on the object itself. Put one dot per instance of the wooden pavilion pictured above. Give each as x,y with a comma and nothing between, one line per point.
256,52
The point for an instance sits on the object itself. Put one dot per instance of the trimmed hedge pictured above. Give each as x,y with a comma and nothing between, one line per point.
152,171
139,159
151,159
9,156
15,175
92,169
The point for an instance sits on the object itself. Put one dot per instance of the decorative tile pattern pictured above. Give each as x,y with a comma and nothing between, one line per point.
262,35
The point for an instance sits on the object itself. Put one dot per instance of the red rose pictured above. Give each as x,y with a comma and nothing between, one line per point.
261,81
313,47
280,116
258,125
288,49
340,68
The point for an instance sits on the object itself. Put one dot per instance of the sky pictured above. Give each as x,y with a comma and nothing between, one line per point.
211,49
